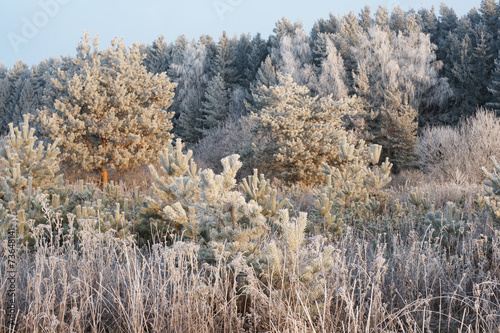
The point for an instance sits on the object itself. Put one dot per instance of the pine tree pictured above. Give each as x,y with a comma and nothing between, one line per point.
332,76
398,130
210,47
192,76
257,55
27,169
301,131
428,22
294,56
411,23
284,27
447,23
4,104
190,119
243,49
346,38
266,77
323,26
180,45
365,19
225,61
17,76
22,150
397,20
397,75
494,89
158,57
489,11
109,112
382,18
404,62
266,74
215,108
482,66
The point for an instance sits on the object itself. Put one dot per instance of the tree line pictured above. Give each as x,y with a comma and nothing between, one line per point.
396,69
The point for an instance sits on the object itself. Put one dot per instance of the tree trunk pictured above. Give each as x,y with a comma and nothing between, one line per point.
104,171
104,176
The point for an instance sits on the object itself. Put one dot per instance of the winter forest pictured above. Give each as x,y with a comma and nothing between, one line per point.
341,179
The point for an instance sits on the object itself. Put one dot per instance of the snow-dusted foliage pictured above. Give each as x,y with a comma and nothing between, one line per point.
215,108
302,131
405,63
192,76
331,80
110,112
293,56
204,206
20,152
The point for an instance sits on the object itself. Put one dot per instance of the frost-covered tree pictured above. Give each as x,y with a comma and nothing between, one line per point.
404,63
4,104
17,76
494,89
482,65
294,56
242,60
257,55
347,37
447,23
301,131
225,62
192,76
382,18
158,56
203,206
21,150
266,77
398,77
489,11
427,21
397,20
266,74
332,76
323,26
32,97
215,108
398,129
284,27
365,18
210,47
27,167
238,99
110,111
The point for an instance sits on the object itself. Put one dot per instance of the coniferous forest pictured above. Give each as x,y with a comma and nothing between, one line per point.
341,179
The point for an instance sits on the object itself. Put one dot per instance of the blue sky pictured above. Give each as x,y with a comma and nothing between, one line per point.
31,30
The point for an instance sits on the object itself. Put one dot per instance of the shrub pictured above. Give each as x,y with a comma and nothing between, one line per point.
459,153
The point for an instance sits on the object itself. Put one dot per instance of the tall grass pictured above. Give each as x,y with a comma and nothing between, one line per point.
94,282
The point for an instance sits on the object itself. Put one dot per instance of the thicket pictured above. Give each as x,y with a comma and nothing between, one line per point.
458,153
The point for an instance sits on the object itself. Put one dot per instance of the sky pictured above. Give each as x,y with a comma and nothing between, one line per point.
33,30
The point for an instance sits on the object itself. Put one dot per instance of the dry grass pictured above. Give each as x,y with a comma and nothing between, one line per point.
137,176
398,283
